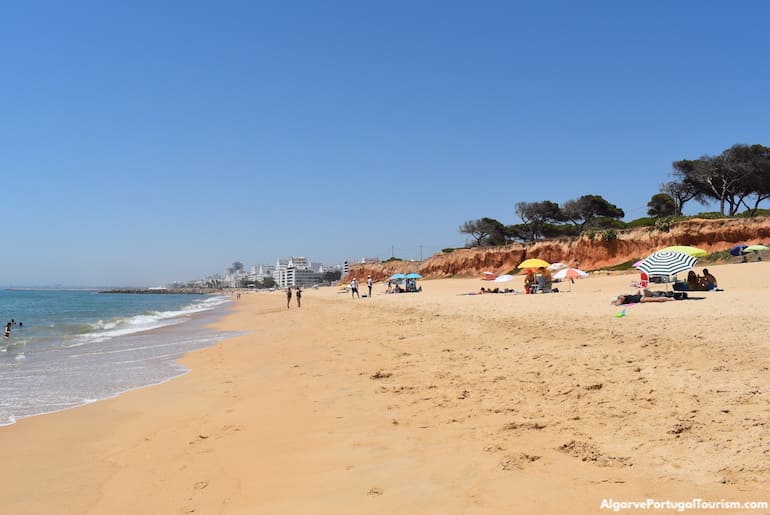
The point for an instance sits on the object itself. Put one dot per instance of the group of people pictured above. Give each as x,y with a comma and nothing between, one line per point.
496,290
8,326
646,295
297,294
538,282
695,282
410,285
354,287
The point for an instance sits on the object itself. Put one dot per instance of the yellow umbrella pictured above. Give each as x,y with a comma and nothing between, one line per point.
684,249
533,263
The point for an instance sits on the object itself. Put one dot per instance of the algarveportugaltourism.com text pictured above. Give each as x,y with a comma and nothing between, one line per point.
694,504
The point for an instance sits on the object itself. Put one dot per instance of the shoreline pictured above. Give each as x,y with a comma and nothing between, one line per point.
427,403
173,338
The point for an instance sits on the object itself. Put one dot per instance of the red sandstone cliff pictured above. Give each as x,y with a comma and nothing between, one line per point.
631,244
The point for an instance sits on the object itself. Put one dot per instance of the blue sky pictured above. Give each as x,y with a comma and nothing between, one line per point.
146,142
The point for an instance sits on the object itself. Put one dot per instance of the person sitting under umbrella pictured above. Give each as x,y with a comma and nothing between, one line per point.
529,281
645,295
544,280
708,281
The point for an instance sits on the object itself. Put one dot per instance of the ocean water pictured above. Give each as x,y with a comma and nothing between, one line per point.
70,348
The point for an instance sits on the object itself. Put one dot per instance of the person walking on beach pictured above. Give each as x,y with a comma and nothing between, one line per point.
354,288
288,297
299,297
369,285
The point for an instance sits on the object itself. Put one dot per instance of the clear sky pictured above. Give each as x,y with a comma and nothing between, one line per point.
145,142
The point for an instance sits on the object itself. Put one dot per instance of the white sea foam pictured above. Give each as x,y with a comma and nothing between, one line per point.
106,330
53,376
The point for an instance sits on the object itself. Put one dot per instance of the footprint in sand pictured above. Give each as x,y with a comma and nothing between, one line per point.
515,426
590,453
518,461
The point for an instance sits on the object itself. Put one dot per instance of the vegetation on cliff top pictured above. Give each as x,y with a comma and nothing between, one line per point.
738,178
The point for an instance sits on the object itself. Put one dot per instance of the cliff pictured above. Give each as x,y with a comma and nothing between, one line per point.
631,244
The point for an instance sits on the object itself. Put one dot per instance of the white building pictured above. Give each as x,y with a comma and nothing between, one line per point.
295,271
259,272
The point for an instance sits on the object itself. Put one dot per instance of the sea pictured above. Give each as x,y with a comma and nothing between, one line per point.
68,348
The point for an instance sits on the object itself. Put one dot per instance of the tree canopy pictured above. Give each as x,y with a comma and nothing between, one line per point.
738,177
485,231
662,204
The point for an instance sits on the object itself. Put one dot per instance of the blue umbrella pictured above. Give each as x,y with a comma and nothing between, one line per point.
413,275
737,250
396,277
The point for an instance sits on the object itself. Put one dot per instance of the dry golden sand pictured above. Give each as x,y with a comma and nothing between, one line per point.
429,403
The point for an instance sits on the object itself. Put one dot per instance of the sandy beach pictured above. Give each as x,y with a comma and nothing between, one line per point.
434,402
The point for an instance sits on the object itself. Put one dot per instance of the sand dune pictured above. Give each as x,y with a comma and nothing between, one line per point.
430,403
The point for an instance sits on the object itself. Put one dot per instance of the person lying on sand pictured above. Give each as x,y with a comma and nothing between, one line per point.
645,295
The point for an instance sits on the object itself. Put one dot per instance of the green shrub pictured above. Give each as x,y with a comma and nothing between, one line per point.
647,221
666,223
609,235
590,234
447,250
759,212
709,215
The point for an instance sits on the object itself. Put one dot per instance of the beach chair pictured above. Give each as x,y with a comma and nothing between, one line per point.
543,286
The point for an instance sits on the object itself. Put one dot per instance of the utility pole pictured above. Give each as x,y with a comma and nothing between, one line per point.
420,251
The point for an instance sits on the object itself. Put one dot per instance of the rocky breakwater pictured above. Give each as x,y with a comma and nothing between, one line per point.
584,252
161,291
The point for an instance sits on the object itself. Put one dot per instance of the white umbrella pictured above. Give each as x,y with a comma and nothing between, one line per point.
503,278
556,266
569,273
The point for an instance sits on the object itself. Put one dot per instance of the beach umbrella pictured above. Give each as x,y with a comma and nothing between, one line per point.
738,250
413,275
397,277
569,273
556,266
667,263
684,249
503,278
756,248
534,263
